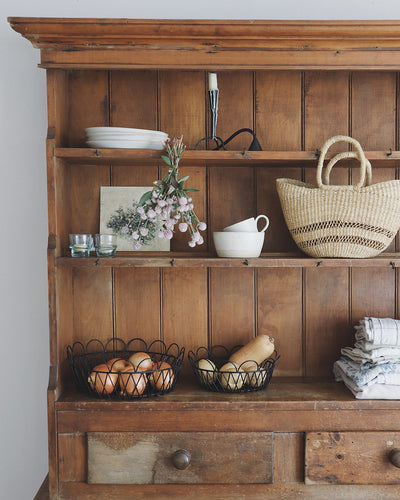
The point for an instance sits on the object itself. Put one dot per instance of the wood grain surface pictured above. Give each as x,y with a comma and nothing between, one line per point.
295,83
215,458
350,458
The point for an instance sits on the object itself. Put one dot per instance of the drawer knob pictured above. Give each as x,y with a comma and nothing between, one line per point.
394,457
181,459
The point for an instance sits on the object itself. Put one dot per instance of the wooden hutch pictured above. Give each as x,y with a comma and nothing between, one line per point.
296,83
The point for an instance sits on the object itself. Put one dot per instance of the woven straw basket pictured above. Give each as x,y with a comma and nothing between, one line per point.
341,221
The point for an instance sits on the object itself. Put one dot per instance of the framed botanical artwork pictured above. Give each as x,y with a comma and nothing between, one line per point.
121,214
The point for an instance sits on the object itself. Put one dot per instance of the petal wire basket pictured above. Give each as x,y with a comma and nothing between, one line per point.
239,380
109,383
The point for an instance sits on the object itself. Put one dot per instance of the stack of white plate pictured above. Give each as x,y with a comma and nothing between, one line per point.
128,138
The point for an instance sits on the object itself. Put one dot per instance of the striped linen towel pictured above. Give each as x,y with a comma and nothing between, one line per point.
378,331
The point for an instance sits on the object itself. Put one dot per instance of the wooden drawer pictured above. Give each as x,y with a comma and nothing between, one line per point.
351,458
213,458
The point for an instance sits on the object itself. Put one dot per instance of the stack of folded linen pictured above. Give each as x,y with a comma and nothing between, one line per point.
371,369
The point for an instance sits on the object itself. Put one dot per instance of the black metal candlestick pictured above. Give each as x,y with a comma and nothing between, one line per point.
213,95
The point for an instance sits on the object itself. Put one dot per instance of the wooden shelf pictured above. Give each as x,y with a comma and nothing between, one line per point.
211,260
99,156
283,393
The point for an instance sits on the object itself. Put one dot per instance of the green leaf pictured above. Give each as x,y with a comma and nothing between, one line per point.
191,190
145,197
183,179
167,160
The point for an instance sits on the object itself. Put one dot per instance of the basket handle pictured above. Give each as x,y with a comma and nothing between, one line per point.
340,156
359,154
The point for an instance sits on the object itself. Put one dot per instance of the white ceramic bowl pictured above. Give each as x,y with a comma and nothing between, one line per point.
238,244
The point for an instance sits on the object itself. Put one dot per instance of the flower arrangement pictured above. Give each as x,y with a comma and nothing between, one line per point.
159,210
169,203
133,224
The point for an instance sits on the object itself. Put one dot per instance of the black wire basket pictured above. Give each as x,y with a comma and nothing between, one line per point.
207,364
116,370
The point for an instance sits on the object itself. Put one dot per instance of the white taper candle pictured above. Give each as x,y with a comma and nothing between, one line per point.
212,81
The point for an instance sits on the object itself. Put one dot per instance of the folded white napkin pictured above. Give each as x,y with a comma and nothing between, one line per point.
369,373
378,331
377,356
369,347
375,391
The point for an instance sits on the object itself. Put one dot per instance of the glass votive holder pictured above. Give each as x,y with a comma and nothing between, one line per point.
80,244
105,245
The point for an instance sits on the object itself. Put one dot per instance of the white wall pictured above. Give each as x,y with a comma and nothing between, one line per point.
23,279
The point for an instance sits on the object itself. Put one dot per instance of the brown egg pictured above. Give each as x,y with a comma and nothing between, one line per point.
132,381
101,380
162,377
141,360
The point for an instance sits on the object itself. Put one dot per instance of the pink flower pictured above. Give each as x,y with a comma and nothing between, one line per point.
161,203
196,236
168,234
183,227
202,226
192,243
182,200
144,231
151,213
135,236
160,234
137,245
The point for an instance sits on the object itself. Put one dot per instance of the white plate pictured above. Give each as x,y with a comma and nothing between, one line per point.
126,137
126,144
122,131
129,137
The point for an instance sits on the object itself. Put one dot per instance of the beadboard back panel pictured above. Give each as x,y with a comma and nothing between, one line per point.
290,111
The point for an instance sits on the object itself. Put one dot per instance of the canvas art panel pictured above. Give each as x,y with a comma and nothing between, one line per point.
111,199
